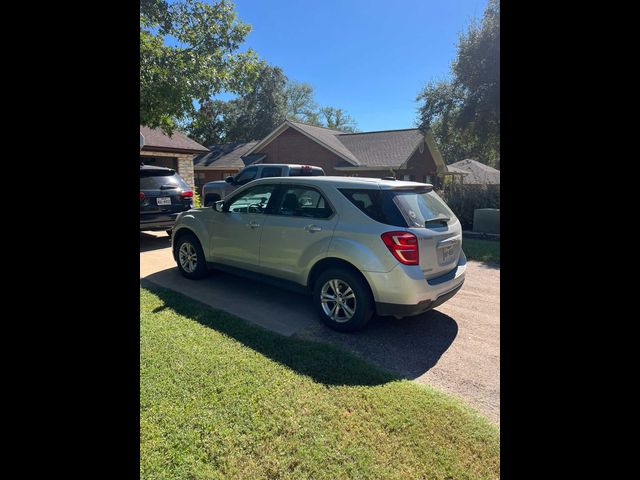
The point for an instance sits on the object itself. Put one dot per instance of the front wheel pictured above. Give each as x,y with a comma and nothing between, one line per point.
342,300
190,257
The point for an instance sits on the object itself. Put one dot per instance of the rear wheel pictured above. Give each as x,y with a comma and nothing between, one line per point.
190,257
343,300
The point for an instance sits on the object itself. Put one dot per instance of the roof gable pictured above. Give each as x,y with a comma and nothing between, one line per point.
387,149
323,136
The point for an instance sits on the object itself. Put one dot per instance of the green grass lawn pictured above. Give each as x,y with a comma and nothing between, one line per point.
221,398
482,250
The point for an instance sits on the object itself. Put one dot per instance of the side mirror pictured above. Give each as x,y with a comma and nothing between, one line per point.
219,205
230,180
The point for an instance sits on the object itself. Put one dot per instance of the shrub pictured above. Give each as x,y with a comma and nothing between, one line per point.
196,199
465,199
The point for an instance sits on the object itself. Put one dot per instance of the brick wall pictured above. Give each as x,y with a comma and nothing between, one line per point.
185,169
420,164
293,147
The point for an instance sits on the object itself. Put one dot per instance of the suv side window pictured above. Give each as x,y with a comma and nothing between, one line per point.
254,200
303,202
247,175
375,205
271,172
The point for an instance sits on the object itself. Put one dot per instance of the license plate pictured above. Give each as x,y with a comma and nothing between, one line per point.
447,253
164,200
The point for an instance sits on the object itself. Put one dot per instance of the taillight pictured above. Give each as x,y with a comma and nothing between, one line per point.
187,193
141,195
403,246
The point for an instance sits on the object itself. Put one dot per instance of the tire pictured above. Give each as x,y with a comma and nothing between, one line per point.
360,301
196,268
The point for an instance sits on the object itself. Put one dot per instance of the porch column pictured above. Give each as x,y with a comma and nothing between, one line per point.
185,169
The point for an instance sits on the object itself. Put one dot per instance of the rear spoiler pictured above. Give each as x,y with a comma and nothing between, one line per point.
423,188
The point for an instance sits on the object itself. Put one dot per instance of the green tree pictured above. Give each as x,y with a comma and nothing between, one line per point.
201,61
249,117
338,119
252,116
207,126
301,105
464,112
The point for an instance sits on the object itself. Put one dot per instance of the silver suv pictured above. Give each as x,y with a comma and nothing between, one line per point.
359,245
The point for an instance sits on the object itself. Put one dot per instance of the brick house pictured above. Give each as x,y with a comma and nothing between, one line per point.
405,154
175,151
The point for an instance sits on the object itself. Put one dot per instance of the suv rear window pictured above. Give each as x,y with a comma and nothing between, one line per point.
154,179
401,208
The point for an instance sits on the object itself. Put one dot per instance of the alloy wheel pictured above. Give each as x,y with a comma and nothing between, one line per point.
188,257
338,300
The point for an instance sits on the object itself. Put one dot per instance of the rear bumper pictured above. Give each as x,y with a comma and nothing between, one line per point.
400,310
404,291
158,222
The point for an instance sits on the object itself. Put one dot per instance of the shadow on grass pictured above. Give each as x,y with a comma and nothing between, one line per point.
332,364
151,242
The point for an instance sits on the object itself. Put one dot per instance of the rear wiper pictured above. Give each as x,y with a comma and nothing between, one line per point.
443,220
168,187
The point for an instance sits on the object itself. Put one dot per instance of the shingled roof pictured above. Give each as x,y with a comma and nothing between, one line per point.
389,148
384,149
476,173
229,155
156,139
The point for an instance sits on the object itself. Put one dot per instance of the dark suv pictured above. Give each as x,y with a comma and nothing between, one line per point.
163,195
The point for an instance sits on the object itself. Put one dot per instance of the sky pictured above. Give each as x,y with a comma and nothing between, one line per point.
369,57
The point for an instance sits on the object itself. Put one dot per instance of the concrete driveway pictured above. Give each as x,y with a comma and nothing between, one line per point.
455,348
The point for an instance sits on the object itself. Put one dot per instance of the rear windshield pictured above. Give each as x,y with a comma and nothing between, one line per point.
155,179
406,209
306,171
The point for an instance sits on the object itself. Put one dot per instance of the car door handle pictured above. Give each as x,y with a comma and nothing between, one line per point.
312,228
253,224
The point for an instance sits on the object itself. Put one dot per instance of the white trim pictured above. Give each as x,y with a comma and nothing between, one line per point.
286,124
